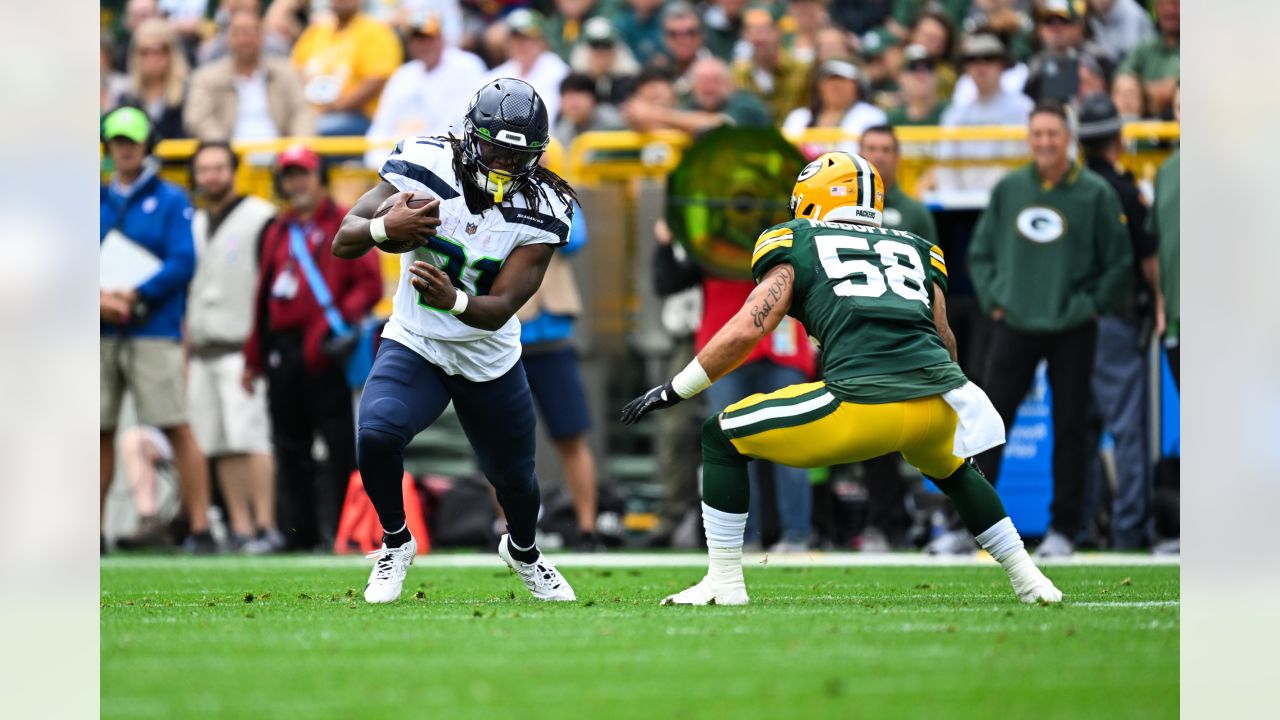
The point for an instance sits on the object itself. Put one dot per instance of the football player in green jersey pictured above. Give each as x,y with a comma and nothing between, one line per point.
872,299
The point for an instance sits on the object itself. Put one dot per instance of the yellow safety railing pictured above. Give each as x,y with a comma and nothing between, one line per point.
623,155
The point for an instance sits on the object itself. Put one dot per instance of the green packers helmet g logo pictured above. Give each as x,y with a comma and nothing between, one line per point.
809,170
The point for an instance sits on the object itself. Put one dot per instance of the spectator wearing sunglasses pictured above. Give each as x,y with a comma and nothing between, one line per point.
683,43
919,102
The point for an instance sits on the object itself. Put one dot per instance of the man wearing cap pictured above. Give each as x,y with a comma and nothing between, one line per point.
345,60
1053,73
147,258
530,60
1049,255
771,72
985,59
918,99
883,52
307,393
426,95
604,58
837,102
1120,367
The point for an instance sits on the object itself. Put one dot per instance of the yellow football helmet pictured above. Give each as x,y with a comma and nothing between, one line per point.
839,186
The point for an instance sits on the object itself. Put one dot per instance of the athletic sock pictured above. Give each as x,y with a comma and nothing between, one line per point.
1004,544
724,544
397,538
525,555
521,505
976,501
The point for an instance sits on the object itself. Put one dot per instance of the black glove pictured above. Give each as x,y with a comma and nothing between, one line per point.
663,396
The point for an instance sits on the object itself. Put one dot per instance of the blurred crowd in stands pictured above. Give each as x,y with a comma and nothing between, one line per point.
230,317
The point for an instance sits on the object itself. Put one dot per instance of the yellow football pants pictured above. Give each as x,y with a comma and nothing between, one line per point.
806,426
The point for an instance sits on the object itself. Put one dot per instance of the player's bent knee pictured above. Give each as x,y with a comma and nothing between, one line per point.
373,440
385,416
716,446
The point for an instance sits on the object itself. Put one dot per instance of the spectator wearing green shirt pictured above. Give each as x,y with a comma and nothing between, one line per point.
1048,256
919,103
1155,62
1164,223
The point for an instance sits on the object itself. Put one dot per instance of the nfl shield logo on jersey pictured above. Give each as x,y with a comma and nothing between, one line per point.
471,228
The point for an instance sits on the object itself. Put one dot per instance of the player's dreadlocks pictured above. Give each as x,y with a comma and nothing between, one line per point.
535,190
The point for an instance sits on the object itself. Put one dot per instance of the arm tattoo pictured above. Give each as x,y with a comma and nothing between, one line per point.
772,296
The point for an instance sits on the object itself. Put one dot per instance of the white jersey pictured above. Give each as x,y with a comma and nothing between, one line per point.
471,250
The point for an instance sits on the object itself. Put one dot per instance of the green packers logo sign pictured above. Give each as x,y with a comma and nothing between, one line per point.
731,185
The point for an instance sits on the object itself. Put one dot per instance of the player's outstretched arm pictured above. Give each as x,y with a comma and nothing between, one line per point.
356,235
759,316
517,281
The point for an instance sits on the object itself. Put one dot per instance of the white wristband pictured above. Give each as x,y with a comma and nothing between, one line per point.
691,380
459,304
378,229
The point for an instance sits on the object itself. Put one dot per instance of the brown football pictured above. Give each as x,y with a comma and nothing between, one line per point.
415,201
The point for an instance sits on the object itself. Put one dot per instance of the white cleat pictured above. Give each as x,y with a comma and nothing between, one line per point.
1033,587
540,576
389,569
710,592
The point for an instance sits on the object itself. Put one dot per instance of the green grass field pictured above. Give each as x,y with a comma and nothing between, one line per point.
292,638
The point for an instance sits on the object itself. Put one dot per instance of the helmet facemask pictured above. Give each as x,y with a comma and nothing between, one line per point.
497,169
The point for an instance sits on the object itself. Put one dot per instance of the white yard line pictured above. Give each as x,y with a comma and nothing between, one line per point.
629,560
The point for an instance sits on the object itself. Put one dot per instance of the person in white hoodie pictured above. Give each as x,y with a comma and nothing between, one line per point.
530,60
426,95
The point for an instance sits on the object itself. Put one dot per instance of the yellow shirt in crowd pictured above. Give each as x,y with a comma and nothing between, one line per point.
334,61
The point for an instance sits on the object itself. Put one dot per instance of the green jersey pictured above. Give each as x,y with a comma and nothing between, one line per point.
865,295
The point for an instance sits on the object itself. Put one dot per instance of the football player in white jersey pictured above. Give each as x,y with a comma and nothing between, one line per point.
453,334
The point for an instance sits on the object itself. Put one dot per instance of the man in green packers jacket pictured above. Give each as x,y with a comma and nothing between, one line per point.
1048,256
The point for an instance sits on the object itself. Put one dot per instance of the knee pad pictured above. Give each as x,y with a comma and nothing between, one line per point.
716,446
387,416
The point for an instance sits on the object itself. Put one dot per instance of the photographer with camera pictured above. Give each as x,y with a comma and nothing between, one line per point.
303,292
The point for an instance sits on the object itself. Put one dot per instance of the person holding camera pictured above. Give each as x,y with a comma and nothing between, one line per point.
294,344
147,258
